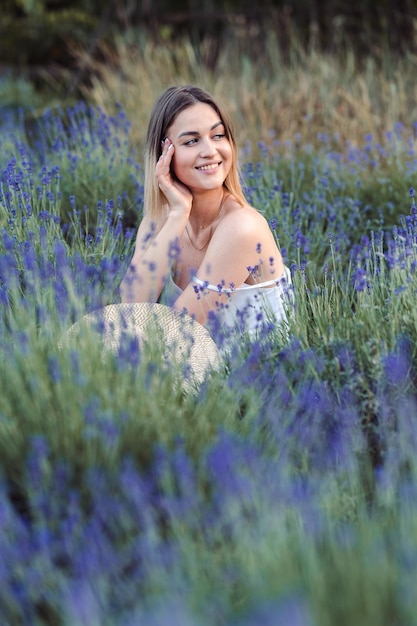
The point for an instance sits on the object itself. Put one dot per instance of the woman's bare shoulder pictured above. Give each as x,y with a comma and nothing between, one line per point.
243,218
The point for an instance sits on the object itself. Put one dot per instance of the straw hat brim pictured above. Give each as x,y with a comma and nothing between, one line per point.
179,338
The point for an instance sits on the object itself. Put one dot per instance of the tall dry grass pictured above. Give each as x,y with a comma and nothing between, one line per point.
291,96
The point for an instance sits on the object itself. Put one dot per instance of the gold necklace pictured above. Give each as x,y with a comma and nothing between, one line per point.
211,226
193,244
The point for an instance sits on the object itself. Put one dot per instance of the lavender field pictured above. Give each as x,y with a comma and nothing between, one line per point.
283,490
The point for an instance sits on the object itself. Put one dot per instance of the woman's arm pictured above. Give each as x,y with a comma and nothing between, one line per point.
153,256
242,245
151,261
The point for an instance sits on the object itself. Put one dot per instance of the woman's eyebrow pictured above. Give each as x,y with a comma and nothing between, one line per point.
195,133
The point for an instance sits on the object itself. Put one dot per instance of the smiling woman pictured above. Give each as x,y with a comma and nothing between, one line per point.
200,246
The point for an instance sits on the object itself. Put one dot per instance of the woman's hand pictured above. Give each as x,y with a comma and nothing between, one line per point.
154,246
178,196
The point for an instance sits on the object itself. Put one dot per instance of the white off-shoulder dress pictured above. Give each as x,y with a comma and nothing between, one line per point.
247,308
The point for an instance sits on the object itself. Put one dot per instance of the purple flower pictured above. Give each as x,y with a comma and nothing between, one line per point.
359,279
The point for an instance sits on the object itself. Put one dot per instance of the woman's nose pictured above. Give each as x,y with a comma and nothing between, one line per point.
207,147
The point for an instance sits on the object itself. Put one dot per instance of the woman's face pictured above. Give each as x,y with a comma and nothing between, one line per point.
202,153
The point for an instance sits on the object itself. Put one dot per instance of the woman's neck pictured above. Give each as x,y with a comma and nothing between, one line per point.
206,209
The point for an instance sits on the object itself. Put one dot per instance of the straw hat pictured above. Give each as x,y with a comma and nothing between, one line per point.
178,338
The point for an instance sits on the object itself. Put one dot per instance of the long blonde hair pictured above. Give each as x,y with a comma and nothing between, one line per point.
169,104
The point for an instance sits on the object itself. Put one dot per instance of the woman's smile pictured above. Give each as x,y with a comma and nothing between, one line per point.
211,167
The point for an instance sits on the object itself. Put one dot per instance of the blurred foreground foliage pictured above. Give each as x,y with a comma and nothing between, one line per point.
280,491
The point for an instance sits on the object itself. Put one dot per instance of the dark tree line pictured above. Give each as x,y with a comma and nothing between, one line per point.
43,32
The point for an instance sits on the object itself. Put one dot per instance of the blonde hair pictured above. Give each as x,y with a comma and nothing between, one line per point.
169,104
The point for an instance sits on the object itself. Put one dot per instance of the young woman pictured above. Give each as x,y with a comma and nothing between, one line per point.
200,247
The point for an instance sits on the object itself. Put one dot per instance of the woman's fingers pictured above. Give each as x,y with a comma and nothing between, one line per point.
164,162
175,192
167,150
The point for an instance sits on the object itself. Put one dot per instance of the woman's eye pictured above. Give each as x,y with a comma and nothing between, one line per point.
194,140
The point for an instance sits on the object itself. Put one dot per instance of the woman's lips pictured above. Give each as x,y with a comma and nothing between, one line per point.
209,167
